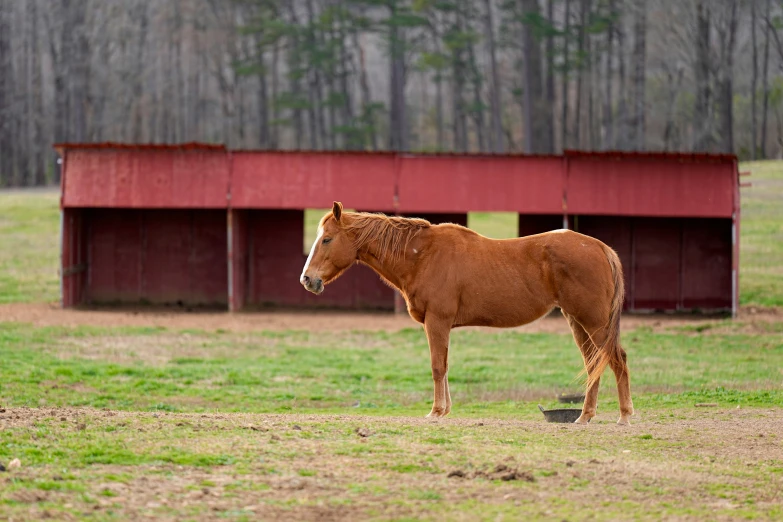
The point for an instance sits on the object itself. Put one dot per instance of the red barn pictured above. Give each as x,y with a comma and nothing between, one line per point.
201,225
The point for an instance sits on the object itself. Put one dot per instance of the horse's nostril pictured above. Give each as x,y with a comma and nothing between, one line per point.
305,280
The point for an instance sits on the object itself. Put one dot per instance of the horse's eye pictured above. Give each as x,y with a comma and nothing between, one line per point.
327,240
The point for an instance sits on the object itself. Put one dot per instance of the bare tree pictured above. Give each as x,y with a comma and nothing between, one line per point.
608,128
496,138
564,141
5,89
726,29
639,61
536,112
765,78
702,128
754,81
330,74
398,135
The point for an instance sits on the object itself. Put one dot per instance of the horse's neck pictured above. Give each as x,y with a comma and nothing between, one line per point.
384,266
394,267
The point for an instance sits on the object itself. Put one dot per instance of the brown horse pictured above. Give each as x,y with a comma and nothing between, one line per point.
451,276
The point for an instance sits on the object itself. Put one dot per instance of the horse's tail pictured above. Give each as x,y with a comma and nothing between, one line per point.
610,352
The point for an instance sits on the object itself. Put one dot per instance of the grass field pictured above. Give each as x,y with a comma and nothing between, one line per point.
132,422
124,423
29,246
761,235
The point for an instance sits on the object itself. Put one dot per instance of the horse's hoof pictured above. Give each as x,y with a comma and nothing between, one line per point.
623,422
581,420
437,413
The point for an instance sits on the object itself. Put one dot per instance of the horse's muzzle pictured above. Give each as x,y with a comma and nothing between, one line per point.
314,285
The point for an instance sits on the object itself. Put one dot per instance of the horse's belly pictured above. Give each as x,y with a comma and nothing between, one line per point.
503,315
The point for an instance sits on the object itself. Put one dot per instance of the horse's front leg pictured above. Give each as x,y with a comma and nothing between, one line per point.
438,338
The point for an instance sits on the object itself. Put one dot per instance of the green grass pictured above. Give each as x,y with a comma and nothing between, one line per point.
29,246
502,373
184,463
498,225
761,234
176,424
151,440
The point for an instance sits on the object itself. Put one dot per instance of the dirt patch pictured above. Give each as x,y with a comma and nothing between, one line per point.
751,320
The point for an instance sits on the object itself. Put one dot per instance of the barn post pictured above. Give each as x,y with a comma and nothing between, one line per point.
232,305
63,303
735,230
62,258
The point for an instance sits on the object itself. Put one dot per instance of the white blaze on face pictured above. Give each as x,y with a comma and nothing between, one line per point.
312,250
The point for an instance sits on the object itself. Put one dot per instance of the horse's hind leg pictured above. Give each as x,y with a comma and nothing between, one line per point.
623,389
620,369
588,349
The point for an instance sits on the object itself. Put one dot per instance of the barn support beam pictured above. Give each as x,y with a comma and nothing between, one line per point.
237,258
73,257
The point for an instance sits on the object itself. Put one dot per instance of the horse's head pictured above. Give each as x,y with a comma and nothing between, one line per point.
333,252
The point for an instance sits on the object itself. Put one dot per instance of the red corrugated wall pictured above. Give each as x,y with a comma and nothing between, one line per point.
157,256
146,178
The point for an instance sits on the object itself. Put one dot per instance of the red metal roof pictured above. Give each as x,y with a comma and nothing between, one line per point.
619,154
198,175
141,146
636,155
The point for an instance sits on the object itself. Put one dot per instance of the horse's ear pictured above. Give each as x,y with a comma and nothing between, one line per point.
337,210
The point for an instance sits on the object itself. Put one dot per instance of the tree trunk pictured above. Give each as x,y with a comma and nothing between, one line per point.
727,35
549,106
438,77
138,80
608,131
37,168
441,132
397,117
765,84
80,60
274,142
294,65
346,107
702,129
318,133
585,4
496,124
753,82
24,146
621,123
457,84
536,121
564,143
477,112
591,116
263,98
5,90
368,117
58,49
669,131
640,59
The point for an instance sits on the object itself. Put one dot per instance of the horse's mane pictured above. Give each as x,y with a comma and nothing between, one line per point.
391,233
